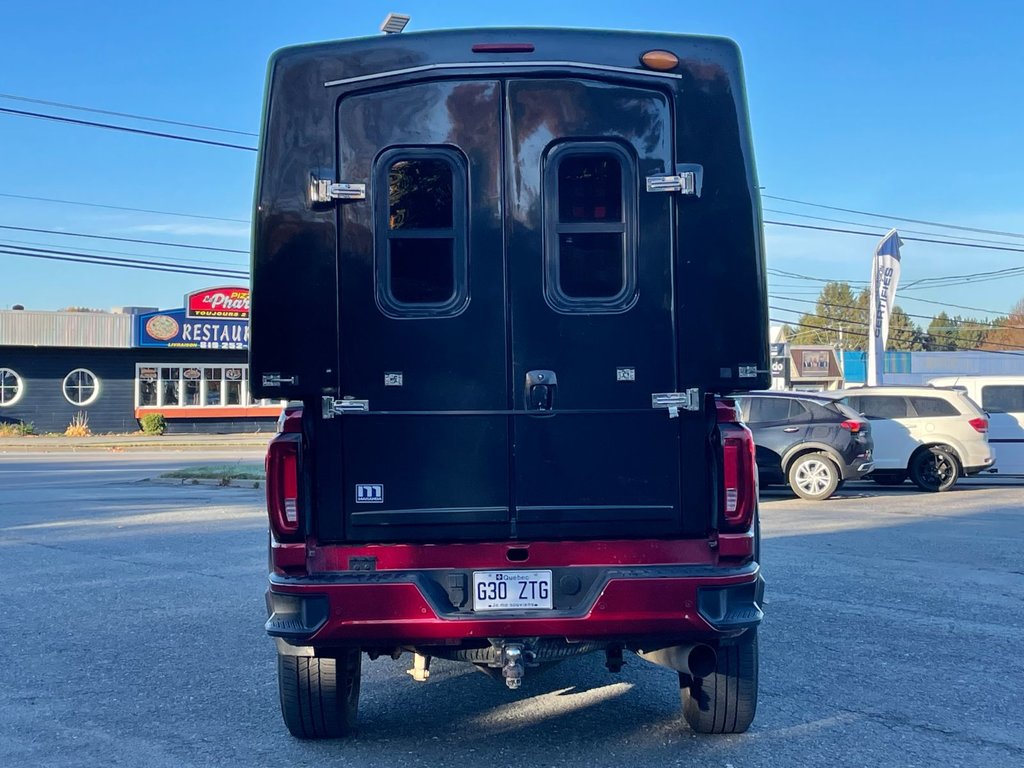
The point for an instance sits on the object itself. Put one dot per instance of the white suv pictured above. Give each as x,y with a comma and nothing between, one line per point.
931,434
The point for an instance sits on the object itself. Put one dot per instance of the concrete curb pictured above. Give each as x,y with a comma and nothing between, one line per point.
32,444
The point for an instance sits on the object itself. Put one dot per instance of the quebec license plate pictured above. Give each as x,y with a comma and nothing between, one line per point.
511,590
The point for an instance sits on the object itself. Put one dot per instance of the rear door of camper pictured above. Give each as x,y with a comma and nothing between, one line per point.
507,310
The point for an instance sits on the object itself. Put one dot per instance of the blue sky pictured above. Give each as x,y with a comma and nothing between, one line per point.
902,108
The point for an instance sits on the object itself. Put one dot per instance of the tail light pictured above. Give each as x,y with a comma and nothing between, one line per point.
853,426
979,424
283,487
739,472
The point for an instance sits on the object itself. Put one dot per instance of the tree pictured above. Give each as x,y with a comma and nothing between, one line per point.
840,318
904,335
947,333
1008,332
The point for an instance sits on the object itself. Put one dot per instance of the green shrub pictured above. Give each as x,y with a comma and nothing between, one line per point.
153,424
26,428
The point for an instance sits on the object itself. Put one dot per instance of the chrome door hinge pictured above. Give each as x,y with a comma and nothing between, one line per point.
674,401
687,180
323,191
334,407
277,380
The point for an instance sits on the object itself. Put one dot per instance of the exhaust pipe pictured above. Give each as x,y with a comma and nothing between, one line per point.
697,660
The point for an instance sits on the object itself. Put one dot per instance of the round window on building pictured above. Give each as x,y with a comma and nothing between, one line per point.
81,387
10,387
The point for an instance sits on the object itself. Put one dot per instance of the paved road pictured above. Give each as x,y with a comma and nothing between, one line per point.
133,615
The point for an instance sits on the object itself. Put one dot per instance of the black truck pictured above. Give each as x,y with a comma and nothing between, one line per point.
508,279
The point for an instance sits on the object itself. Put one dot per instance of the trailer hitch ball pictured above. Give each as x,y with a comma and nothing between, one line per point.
513,670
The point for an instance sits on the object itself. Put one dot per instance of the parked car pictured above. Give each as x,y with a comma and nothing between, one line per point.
1002,400
932,435
808,440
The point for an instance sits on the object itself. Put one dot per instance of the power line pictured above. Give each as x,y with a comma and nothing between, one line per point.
908,314
864,224
125,239
804,278
85,258
957,306
955,243
19,243
94,110
122,208
126,129
898,218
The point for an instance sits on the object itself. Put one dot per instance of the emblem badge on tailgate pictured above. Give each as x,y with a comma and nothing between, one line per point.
369,494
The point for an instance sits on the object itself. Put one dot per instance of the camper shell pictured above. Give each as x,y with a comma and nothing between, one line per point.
507,277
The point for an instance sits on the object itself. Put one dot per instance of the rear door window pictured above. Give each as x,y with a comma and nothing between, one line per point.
800,412
933,407
590,254
421,259
1002,398
764,410
883,406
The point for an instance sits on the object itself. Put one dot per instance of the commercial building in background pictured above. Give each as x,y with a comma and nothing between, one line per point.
189,364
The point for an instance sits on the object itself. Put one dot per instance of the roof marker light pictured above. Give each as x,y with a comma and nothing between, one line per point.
394,23
660,60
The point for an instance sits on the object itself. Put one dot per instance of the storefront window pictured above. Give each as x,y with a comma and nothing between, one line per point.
212,378
148,379
233,385
194,386
192,378
170,386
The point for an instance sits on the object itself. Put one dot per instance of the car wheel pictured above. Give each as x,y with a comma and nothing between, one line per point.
319,697
814,476
934,469
726,700
894,478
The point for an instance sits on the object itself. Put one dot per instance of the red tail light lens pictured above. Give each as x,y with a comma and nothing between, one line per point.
739,475
980,424
283,487
853,426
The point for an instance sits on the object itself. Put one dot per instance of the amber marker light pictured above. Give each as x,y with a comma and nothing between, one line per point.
660,60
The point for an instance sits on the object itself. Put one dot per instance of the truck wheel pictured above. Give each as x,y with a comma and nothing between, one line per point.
889,478
813,476
725,701
934,469
319,697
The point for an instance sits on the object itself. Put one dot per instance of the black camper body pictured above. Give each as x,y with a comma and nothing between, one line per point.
508,274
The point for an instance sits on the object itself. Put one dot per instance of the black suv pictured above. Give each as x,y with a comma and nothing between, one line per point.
808,440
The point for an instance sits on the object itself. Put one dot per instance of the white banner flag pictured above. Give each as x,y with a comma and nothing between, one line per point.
885,275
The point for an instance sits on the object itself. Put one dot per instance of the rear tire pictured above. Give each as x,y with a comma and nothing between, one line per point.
813,476
893,478
934,469
726,700
319,697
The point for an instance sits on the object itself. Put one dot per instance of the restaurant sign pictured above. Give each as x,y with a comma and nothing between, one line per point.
174,328
218,303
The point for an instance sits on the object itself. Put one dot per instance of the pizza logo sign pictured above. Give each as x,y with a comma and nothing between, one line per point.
162,327
224,303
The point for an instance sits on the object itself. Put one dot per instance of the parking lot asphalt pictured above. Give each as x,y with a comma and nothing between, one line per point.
133,637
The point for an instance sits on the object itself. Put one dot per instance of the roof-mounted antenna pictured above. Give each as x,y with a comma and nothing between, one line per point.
394,23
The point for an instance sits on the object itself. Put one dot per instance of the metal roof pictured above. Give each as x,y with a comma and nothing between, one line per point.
29,328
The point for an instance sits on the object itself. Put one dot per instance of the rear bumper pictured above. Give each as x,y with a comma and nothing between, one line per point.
406,607
858,469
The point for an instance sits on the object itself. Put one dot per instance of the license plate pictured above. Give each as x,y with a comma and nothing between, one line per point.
511,590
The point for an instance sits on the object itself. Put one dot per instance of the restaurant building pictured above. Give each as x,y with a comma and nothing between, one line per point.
188,363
